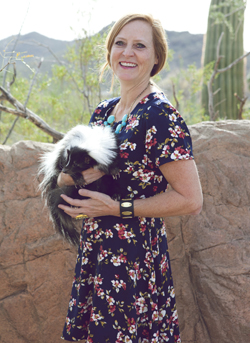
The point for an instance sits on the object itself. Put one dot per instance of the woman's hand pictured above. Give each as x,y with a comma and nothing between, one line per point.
184,198
64,180
90,175
97,205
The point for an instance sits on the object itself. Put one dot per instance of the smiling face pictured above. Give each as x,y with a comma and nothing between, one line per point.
132,55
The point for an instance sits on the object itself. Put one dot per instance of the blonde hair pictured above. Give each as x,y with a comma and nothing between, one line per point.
159,40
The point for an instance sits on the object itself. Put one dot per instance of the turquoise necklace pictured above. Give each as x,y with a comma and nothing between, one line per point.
111,119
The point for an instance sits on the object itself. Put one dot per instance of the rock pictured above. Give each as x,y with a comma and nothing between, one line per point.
210,253
36,265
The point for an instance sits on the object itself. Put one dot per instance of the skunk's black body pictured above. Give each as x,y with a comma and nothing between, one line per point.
81,148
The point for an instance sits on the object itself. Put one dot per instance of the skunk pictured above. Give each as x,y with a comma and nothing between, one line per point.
81,148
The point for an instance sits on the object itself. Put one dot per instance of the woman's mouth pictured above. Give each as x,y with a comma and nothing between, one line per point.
128,64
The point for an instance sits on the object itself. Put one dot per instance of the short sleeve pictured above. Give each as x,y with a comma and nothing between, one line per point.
167,135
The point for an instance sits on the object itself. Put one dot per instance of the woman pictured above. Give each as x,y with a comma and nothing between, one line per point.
123,289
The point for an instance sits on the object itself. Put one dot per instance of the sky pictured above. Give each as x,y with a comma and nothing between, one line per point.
65,20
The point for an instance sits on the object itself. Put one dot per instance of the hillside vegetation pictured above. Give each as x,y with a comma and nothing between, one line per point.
67,90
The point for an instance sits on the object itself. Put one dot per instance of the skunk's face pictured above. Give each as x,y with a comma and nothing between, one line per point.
77,160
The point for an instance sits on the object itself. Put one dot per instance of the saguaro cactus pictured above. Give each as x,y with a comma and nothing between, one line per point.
225,17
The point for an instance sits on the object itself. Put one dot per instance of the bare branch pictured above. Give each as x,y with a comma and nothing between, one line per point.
218,48
236,10
9,62
9,84
233,63
15,44
23,112
219,103
33,82
212,114
10,131
13,111
26,101
217,91
84,93
174,94
242,104
58,60
237,28
35,42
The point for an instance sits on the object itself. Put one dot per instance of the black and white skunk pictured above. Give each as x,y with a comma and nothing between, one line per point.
81,148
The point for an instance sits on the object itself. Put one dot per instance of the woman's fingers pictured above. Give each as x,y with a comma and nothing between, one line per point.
72,202
74,208
64,180
90,194
90,175
96,204
77,206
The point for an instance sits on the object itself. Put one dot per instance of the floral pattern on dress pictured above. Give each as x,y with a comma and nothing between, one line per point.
123,289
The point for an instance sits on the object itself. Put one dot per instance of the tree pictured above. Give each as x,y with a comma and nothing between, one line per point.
83,62
20,110
65,99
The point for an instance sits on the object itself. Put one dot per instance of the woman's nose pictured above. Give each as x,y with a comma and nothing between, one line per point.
128,51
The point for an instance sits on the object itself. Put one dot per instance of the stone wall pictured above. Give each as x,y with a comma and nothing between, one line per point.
210,253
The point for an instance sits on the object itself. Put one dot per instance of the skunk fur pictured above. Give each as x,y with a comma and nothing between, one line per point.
81,148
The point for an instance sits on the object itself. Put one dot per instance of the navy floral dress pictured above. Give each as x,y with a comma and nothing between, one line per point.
123,288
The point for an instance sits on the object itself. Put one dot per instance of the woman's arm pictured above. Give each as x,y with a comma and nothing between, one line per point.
184,198
90,175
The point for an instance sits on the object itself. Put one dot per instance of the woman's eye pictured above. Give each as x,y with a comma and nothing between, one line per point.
120,43
140,45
